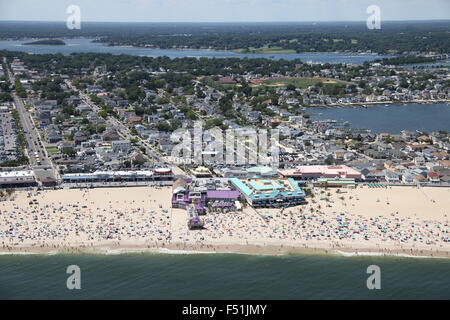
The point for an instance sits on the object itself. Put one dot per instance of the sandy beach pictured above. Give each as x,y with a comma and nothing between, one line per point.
395,220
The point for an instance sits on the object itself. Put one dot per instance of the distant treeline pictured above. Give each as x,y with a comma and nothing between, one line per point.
406,60
382,43
302,37
76,62
49,42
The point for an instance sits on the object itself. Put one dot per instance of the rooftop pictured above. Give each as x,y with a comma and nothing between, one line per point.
268,189
16,174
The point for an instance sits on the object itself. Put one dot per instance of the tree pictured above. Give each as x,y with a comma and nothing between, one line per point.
5,97
68,151
290,87
191,115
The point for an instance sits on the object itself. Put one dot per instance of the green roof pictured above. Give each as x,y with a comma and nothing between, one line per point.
338,180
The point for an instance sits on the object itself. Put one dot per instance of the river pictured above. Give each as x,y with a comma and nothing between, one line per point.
86,45
389,118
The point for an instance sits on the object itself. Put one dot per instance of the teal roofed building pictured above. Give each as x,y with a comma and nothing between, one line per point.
269,193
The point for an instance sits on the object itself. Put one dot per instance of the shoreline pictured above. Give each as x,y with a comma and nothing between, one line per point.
248,249
368,104
108,44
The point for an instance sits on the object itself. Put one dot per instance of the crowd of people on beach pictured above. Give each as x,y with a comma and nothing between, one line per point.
84,224
296,224
80,223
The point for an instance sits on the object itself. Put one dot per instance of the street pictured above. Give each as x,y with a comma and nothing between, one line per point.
39,160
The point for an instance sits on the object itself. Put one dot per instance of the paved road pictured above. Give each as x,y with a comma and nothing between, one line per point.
43,166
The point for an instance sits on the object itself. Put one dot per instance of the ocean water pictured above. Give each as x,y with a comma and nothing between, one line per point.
391,118
221,276
85,45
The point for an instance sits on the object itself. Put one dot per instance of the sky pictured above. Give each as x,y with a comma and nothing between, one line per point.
223,10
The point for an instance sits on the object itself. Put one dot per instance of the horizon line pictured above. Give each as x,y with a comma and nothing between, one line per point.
275,21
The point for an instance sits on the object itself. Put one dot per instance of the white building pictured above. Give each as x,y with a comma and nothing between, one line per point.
122,146
17,179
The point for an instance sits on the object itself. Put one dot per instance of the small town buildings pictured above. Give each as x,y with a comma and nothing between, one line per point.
433,177
315,172
391,177
222,200
118,176
15,179
201,172
121,146
336,183
267,193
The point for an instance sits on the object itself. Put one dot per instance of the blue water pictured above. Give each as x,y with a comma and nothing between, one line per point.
390,118
428,65
85,45
217,276
221,276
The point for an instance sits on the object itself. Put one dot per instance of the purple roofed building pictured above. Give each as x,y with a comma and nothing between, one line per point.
217,200
223,200
223,195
